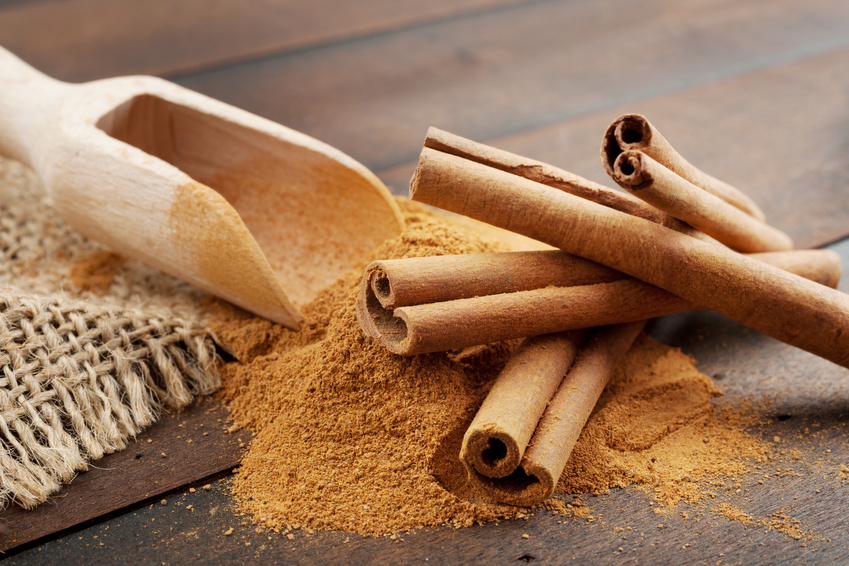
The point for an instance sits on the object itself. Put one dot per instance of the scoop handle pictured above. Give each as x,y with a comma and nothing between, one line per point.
28,100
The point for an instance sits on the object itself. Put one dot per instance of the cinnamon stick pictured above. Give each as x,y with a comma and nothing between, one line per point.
413,328
655,184
779,304
550,176
499,434
534,479
819,266
419,280
635,132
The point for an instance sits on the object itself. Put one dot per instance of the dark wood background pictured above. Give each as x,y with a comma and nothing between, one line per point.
755,92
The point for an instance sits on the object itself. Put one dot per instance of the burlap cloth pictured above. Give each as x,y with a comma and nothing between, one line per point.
82,371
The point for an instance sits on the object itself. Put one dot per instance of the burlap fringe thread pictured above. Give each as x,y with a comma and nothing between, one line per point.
80,380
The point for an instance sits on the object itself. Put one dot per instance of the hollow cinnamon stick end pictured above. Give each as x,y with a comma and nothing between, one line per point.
381,286
628,131
365,319
630,171
381,323
633,131
610,149
490,451
527,486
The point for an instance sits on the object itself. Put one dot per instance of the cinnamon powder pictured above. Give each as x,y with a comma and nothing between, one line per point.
96,272
656,426
349,436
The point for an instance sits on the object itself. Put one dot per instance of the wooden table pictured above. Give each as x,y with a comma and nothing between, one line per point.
756,92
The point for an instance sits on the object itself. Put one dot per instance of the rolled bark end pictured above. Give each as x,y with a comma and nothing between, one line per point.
381,323
635,132
632,131
545,457
628,170
610,150
496,439
381,286
629,131
399,331
527,485
491,452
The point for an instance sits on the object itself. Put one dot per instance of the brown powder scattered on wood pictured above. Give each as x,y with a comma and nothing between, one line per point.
96,272
733,513
574,509
655,426
349,436
346,432
778,521
782,523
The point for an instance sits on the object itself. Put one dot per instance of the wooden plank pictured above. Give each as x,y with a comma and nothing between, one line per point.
521,68
754,366
80,40
7,3
751,366
778,134
812,150
483,85
180,449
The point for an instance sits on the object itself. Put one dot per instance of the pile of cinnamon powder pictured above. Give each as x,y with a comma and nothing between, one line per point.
349,436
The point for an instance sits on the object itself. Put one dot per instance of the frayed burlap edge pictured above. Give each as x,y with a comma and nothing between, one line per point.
80,380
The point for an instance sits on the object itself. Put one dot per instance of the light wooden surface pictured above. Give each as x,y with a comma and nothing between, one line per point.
753,92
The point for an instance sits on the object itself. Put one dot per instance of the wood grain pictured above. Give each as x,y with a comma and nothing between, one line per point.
519,68
79,40
753,92
180,449
777,134
745,364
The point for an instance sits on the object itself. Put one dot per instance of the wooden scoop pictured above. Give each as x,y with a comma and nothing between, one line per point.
249,210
